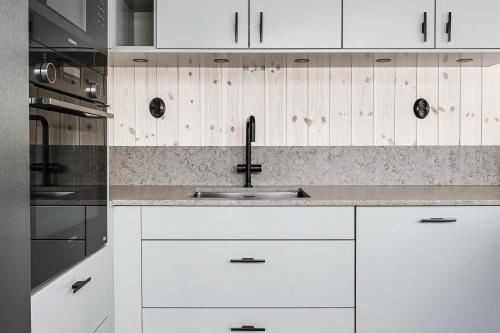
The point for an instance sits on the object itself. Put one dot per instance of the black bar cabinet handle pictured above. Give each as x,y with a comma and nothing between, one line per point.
236,25
424,27
248,329
439,220
79,285
248,261
448,27
261,26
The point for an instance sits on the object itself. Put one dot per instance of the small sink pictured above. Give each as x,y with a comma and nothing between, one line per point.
251,194
50,194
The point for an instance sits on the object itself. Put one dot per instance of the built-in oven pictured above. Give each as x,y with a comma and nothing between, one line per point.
68,122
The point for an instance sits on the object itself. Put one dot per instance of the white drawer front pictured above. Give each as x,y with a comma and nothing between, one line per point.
248,222
56,309
294,274
272,320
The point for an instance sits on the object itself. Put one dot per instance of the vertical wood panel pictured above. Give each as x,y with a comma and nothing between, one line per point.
275,97
124,98
449,99
427,88
319,100
232,101
491,104
470,100
167,87
145,91
70,125
340,99
362,101
254,93
189,100
69,130
383,96
210,78
110,94
297,101
406,94
89,132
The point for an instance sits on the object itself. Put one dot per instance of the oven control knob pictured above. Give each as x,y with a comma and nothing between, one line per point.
93,90
46,72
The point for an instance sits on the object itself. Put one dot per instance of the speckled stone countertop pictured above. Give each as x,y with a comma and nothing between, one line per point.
373,195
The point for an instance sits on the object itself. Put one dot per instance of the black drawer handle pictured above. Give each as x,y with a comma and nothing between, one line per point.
236,26
448,27
438,220
424,27
261,27
248,261
247,329
79,285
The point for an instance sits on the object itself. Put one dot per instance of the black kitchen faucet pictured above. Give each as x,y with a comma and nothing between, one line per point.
248,167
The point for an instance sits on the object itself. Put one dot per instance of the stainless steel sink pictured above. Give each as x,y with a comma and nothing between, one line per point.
50,194
251,194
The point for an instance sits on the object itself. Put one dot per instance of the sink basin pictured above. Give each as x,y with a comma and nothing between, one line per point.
50,194
251,194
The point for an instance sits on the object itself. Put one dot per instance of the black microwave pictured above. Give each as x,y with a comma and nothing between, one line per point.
77,29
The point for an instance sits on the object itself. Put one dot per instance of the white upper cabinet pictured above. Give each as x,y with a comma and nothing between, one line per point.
202,24
389,24
285,24
468,24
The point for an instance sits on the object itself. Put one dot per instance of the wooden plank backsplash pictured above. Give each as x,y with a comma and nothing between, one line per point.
334,100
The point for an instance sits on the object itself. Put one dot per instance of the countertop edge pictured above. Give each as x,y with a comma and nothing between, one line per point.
313,203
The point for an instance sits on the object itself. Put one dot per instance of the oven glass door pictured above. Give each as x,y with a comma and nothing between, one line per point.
73,10
68,169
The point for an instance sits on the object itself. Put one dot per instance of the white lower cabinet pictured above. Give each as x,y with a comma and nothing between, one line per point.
248,273
236,320
56,309
234,269
417,274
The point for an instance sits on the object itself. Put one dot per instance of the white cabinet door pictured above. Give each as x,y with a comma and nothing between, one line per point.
388,24
474,24
57,309
248,273
127,266
202,24
417,277
311,24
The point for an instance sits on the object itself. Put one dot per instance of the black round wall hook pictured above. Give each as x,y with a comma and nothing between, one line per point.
421,108
157,107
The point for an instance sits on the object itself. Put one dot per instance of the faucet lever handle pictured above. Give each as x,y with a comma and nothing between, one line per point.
253,168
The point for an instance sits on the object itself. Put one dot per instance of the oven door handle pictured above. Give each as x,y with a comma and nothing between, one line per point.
52,104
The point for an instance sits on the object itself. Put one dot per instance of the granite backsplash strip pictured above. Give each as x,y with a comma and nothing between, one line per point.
214,166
